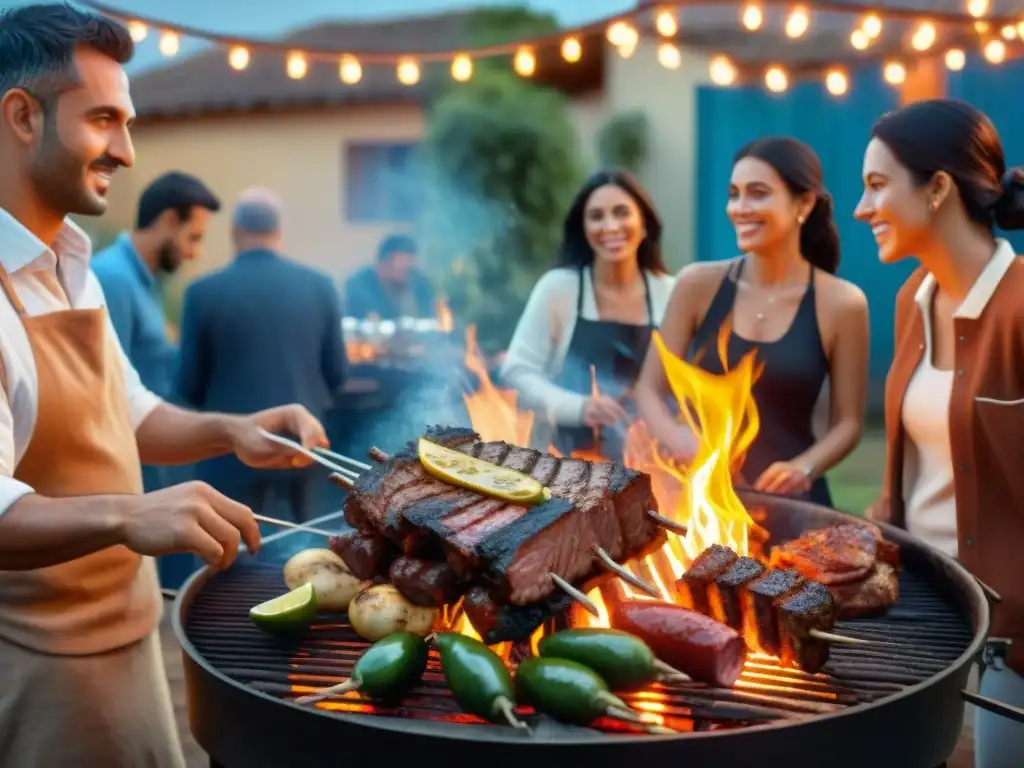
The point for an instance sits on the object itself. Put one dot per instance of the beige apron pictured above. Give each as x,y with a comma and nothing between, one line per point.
82,681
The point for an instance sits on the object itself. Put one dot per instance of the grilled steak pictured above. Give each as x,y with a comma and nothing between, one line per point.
693,588
366,554
760,598
513,548
870,596
809,607
836,555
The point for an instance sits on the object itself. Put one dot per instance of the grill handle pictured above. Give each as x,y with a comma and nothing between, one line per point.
991,705
991,594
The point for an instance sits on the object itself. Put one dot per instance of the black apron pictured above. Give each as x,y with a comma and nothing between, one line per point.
616,351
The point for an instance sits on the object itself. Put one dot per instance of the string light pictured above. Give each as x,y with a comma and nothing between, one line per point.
955,59
524,63
895,73
462,68
138,31
859,39
617,33
571,49
722,71
669,56
350,71
170,43
995,51
797,22
977,8
776,80
666,24
1009,32
238,57
630,38
296,66
872,26
836,82
924,37
408,72
1020,29
981,27
753,16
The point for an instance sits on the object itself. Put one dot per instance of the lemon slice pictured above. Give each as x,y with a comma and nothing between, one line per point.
293,612
480,476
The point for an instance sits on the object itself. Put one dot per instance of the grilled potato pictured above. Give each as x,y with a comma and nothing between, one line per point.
382,610
334,584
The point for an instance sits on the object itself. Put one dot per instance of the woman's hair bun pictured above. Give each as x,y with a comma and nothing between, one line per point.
1008,212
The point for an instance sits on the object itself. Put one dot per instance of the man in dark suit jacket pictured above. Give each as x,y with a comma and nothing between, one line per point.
392,287
261,332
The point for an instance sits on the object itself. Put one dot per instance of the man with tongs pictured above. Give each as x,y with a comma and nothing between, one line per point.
82,682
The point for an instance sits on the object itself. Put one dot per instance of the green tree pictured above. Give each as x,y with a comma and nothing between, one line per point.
622,142
501,164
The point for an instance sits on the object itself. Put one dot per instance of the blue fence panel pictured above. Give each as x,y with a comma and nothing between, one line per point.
996,90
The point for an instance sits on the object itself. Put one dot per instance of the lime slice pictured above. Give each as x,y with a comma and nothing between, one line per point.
480,476
288,613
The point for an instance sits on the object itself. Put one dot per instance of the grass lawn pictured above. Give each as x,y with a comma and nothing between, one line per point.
855,481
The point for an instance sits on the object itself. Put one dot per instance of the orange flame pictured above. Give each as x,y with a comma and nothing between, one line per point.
721,413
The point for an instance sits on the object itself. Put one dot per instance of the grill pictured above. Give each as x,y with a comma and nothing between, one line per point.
896,702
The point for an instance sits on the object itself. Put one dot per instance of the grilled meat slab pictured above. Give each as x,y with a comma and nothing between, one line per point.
761,596
512,548
836,555
869,597
730,587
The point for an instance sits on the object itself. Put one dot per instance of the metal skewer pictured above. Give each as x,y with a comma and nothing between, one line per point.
305,452
293,526
360,465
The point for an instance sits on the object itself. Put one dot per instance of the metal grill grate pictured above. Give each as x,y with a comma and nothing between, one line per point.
920,637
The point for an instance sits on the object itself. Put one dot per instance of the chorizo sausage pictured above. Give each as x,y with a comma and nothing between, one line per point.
699,646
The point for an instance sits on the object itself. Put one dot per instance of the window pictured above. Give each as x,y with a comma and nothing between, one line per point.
382,182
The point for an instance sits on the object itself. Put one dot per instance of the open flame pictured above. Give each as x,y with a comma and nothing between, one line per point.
720,411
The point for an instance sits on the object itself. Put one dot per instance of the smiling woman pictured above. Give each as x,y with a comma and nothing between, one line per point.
578,347
782,301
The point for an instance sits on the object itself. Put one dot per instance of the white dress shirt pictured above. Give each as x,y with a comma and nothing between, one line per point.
541,341
25,257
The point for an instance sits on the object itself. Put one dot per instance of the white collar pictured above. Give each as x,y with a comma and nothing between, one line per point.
984,287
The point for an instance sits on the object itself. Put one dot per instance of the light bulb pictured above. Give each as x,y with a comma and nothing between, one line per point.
995,51
296,66
666,24
836,82
955,59
895,73
669,56
872,26
752,16
797,22
859,39
238,57
408,72
571,50
924,37
524,63
977,8
170,43
350,71
722,71
138,31
776,80
462,68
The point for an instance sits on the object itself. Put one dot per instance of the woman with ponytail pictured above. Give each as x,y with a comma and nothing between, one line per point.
935,186
781,298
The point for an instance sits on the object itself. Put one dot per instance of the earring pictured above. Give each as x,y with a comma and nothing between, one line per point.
800,219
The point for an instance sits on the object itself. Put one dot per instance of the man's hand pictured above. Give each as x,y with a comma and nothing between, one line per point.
603,411
287,420
191,517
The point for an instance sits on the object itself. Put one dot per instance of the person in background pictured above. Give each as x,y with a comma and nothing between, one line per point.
393,287
782,300
260,332
82,681
935,184
597,309
173,215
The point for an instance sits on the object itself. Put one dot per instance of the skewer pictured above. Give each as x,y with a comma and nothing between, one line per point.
831,637
305,452
606,561
667,523
576,594
377,454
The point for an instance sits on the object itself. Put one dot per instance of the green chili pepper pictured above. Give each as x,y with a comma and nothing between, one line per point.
572,693
623,660
388,668
477,677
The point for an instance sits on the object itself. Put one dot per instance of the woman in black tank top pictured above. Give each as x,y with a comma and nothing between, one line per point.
771,300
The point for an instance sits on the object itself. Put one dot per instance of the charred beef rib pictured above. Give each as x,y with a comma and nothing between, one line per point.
853,560
511,549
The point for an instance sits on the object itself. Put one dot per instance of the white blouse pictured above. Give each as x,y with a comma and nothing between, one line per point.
541,341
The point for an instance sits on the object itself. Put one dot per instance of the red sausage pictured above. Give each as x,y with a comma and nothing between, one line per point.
703,648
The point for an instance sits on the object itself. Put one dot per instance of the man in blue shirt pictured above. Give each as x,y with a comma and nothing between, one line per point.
393,287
